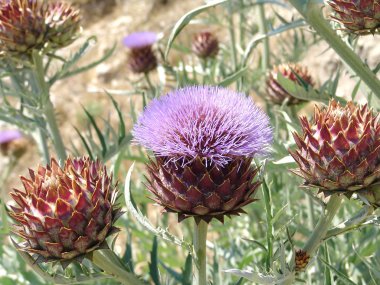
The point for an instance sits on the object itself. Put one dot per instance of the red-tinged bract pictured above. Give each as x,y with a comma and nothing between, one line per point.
200,190
276,93
357,16
64,213
339,150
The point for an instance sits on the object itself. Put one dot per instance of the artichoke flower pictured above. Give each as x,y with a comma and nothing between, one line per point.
27,25
360,17
205,45
276,93
339,150
22,26
63,24
141,58
203,140
64,213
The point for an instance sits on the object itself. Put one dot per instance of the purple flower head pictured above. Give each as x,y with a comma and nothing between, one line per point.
9,135
213,123
140,39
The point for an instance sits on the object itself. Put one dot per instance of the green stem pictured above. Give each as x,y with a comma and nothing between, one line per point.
204,64
269,214
311,10
38,71
320,231
54,131
200,238
149,82
110,263
311,211
43,90
323,225
241,24
265,61
42,145
231,29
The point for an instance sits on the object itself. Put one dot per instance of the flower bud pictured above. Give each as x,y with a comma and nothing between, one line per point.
141,58
339,150
360,17
205,45
65,212
276,93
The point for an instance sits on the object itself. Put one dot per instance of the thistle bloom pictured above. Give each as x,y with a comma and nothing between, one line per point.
339,151
65,212
7,136
203,139
141,57
205,45
35,24
360,16
276,93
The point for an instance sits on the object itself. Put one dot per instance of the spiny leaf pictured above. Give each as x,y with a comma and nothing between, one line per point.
153,265
121,120
299,92
233,77
106,56
98,131
257,39
160,232
187,274
73,60
345,279
88,149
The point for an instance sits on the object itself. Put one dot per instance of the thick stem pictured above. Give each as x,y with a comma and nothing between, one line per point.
42,145
269,214
200,238
265,61
54,131
109,263
311,10
311,211
320,231
323,225
43,93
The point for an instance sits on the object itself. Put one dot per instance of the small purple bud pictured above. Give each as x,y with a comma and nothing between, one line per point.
141,58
